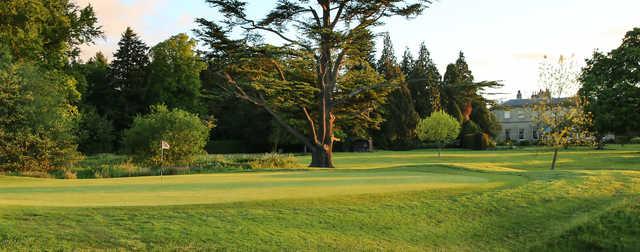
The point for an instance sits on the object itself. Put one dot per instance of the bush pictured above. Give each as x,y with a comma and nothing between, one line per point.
524,143
622,139
185,132
273,160
478,141
95,133
635,140
468,134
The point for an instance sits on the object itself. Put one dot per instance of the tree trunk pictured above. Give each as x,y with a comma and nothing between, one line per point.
321,157
555,157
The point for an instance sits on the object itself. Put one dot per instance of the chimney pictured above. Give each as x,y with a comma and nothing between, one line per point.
519,95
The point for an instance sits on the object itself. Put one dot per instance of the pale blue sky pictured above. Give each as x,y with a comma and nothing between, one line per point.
502,39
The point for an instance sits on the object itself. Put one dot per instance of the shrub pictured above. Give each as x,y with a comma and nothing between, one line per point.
95,133
273,160
478,141
185,132
524,143
622,139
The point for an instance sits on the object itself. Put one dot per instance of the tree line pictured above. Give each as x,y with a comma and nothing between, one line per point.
322,88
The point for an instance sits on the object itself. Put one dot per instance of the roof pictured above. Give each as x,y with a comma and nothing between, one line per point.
529,102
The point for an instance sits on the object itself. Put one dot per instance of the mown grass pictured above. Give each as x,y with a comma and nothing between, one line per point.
402,201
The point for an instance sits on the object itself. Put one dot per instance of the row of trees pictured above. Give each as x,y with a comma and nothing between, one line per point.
315,89
54,108
422,90
113,94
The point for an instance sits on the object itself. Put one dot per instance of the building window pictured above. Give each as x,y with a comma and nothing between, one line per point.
534,133
521,134
507,115
507,134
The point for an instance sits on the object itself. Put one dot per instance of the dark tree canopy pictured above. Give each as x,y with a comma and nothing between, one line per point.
128,80
398,131
424,82
324,33
611,87
462,98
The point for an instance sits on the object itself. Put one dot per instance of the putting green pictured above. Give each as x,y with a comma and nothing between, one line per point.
236,187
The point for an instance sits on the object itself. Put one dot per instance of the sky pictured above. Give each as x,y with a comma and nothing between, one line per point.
502,40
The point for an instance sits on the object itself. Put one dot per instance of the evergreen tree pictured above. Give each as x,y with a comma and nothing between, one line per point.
407,63
128,79
326,32
424,83
398,131
458,89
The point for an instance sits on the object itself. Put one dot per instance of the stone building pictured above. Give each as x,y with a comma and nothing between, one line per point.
518,118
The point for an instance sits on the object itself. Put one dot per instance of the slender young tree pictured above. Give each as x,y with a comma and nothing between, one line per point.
562,120
325,31
440,128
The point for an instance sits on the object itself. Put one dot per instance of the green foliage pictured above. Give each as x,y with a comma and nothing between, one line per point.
128,80
472,137
610,89
424,83
470,127
37,117
97,92
478,141
95,133
326,40
185,132
635,140
46,31
440,127
398,131
174,74
273,160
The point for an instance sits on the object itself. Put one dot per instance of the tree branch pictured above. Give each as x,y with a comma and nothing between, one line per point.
311,124
242,94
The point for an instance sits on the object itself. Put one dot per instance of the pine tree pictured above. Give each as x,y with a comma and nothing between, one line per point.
424,83
407,63
461,98
398,131
127,74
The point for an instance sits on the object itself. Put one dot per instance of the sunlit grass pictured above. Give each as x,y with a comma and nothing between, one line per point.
389,201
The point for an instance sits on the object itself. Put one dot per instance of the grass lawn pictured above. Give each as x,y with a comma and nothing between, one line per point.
405,201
